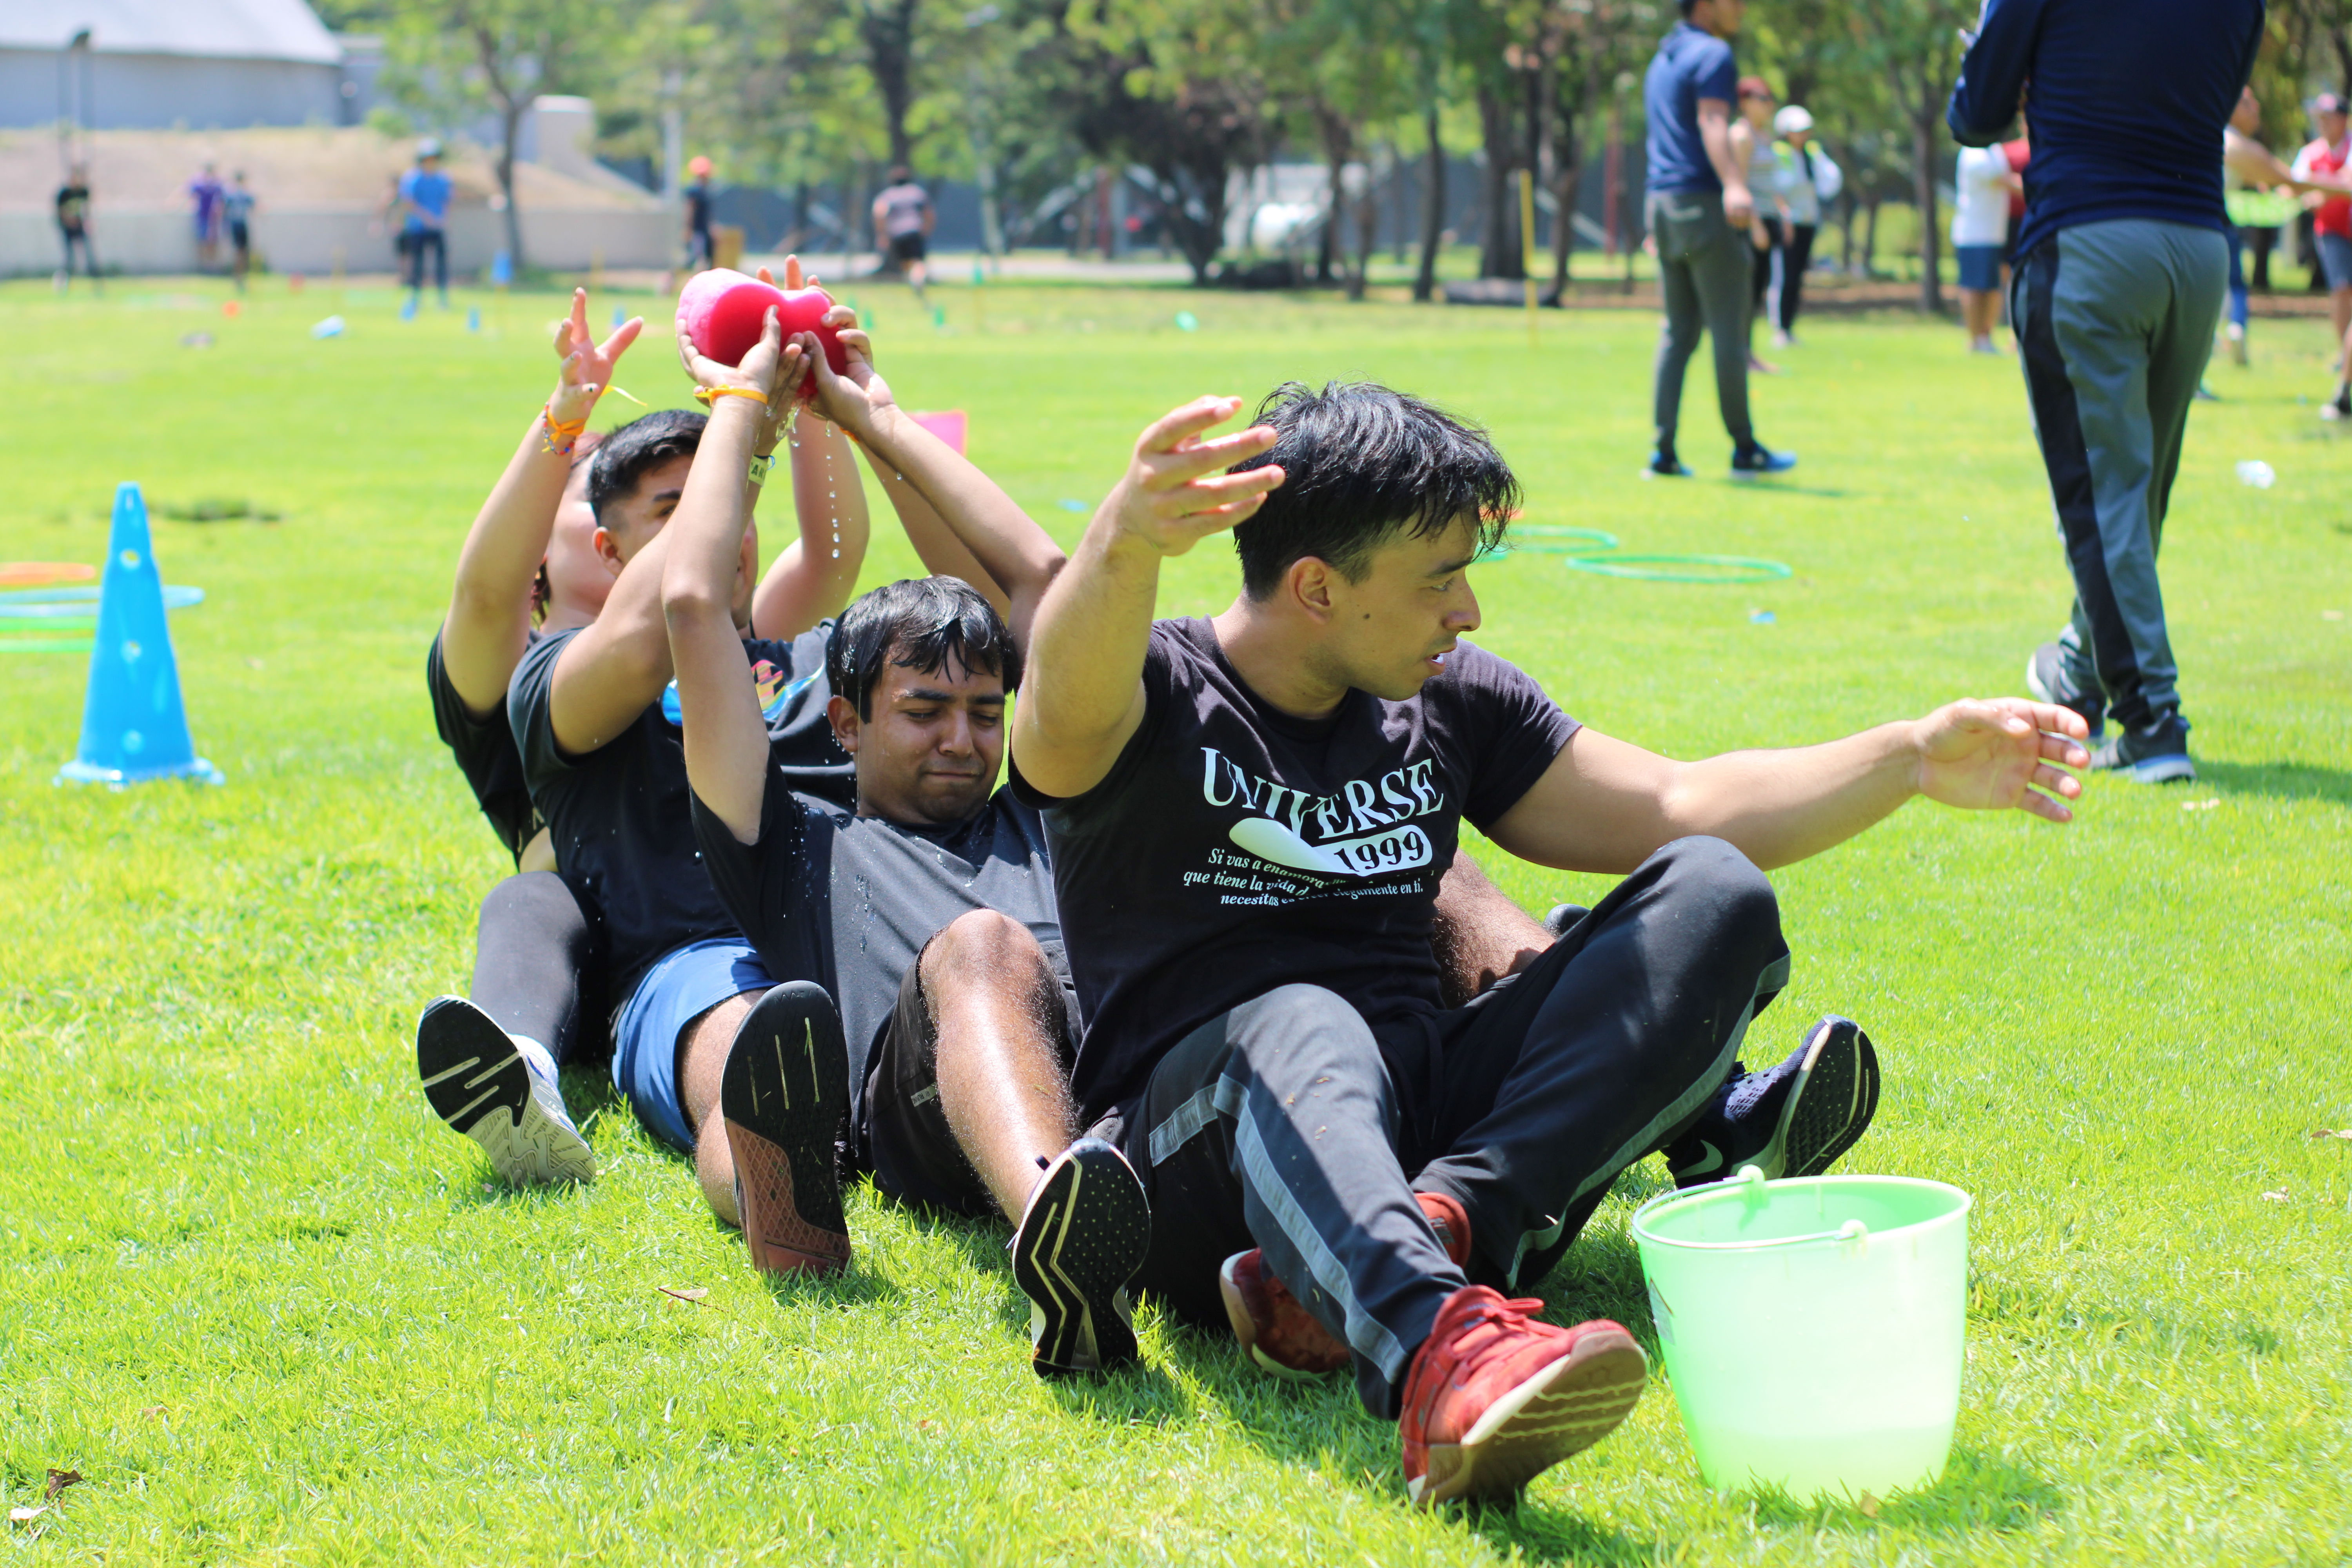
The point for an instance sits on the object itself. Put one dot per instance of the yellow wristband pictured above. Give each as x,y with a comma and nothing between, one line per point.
760,466
708,396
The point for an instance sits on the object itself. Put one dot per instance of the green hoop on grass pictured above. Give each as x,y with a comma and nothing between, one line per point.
60,609
1682,568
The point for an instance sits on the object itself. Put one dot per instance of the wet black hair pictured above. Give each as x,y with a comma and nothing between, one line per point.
919,624
624,455
1363,464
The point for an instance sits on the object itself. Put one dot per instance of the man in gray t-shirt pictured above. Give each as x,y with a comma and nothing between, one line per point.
903,221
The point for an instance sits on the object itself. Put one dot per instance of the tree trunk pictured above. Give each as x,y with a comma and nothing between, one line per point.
509,127
1433,213
1338,146
887,30
1368,232
1870,238
1923,181
1568,176
1500,254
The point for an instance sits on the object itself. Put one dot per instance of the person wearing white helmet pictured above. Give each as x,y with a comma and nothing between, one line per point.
1809,178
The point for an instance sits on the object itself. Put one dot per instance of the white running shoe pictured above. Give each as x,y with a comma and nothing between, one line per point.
499,1091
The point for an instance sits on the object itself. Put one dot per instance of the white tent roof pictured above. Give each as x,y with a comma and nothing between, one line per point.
222,29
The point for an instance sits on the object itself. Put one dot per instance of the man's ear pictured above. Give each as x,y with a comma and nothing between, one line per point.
842,714
608,550
1308,583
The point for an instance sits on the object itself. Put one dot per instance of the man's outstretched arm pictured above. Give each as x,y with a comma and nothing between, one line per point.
1082,694
607,675
814,574
725,735
1604,805
1014,554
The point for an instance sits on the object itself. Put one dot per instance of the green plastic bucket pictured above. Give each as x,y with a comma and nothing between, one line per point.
1812,1328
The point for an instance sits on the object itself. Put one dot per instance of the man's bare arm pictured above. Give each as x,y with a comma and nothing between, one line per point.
1082,694
725,733
1011,551
1606,805
607,675
488,623
1714,135
814,574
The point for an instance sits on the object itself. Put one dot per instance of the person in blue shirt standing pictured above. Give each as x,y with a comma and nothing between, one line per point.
425,197
2121,266
1698,213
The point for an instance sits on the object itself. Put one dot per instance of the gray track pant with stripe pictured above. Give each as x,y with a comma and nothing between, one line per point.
2115,323
1292,1124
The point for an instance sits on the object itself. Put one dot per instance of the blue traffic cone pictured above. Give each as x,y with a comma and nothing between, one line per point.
133,726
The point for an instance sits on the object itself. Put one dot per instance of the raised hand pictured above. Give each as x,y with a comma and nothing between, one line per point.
2002,754
770,367
1175,493
588,365
856,396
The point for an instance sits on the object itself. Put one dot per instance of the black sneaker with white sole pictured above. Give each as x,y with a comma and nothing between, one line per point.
2144,756
480,1082
783,1097
2047,680
1793,1120
1084,1233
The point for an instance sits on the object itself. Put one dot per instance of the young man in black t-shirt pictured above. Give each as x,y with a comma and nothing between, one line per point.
927,910
1247,814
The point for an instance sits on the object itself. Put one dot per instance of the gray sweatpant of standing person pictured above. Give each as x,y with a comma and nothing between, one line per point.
1702,267
2115,323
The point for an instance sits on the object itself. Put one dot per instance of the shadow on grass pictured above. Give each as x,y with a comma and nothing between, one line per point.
2281,780
1977,1491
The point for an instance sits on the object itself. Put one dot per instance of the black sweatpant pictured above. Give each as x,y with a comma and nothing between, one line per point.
1291,1124
538,966
1796,255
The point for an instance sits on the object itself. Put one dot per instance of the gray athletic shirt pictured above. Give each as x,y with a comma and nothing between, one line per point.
849,901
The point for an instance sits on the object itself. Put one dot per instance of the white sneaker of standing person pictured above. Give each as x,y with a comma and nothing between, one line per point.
499,1090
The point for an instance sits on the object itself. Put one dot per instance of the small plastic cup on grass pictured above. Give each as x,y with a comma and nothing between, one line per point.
1812,1329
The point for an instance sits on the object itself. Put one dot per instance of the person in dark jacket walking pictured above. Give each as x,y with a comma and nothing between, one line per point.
2121,266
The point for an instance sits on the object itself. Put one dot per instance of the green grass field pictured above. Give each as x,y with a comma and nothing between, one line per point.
273,1311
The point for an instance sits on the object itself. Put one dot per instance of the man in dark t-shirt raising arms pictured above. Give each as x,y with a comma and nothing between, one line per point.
1248,814
928,912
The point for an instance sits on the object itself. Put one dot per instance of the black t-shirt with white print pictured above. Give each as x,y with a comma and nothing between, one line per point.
849,901
1234,848
485,749
622,831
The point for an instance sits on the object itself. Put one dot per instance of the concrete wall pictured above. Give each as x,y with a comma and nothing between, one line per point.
154,92
306,240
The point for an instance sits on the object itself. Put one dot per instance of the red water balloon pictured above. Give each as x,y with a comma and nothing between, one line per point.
722,312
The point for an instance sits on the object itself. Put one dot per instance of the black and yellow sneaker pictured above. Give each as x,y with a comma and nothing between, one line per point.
1087,1230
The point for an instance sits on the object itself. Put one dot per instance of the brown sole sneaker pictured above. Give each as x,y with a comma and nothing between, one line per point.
1563,1409
782,1100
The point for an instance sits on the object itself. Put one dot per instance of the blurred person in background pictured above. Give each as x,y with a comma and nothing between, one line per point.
700,256
1807,178
2331,229
1697,209
2121,270
1980,227
424,193
204,191
237,213
2244,160
1751,143
73,228
904,218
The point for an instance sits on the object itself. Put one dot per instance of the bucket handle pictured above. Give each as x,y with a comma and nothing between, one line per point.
1750,1182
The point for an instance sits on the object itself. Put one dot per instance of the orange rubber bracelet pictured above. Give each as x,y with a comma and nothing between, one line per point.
708,396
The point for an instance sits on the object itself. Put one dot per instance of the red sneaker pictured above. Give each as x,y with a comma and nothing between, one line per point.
1284,1337
1495,1398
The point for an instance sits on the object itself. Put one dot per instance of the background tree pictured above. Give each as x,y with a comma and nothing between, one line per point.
455,61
